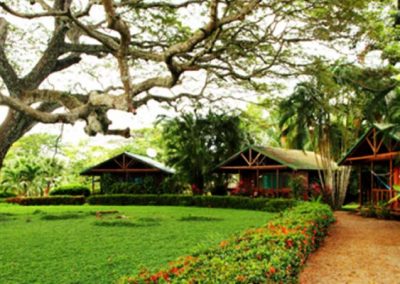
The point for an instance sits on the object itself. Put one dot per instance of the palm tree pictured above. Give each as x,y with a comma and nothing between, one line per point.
196,143
310,120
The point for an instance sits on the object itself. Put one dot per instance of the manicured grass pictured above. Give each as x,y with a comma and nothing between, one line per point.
69,244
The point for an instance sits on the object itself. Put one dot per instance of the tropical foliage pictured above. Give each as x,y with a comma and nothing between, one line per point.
195,144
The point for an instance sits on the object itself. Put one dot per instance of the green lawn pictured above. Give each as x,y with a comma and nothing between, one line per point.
67,244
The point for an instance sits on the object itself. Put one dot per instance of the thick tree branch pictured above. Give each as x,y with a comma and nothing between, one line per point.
140,4
48,61
44,117
33,15
117,24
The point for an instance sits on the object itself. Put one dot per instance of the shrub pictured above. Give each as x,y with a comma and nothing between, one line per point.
52,200
298,185
274,253
71,189
122,188
271,205
173,185
6,194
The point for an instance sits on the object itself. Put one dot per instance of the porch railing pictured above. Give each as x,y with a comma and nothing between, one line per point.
382,195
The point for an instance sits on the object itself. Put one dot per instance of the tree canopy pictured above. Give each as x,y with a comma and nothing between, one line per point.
133,48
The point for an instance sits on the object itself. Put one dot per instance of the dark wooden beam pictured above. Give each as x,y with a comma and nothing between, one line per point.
118,163
245,158
371,145
255,159
379,145
385,156
253,167
124,170
130,162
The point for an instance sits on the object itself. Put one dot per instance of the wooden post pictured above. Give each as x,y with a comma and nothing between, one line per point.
360,186
257,179
369,196
277,178
391,194
92,184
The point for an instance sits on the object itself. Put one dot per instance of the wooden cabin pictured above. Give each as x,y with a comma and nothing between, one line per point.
128,167
376,158
269,170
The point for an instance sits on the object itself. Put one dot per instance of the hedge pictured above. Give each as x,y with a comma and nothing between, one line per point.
274,253
51,200
5,194
71,189
271,205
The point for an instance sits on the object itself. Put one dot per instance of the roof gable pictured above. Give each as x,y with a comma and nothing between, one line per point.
261,156
128,161
378,139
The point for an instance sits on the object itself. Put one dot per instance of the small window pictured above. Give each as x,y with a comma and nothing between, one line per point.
138,180
269,181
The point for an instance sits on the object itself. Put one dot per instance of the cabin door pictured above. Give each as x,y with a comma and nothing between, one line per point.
365,186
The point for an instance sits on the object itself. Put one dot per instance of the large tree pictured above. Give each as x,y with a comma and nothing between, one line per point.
150,45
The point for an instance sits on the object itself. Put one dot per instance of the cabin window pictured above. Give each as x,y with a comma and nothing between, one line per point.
138,180
269,180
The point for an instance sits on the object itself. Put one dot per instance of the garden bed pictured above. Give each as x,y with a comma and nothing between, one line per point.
273,253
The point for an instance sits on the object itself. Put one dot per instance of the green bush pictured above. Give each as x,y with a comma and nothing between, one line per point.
271,205
146,186
6,194
173,185
51,200
122,188
71,189
298,186
274,253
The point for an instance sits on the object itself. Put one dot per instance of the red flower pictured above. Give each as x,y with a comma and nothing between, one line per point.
289,243
272,270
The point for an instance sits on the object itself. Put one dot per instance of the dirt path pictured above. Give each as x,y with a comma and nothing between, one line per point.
358,250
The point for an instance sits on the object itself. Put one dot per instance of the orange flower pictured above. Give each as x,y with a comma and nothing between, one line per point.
223,244
240,278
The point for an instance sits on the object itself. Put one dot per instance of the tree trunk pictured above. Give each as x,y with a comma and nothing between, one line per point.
14,127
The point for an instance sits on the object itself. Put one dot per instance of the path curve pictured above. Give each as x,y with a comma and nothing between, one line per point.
357,250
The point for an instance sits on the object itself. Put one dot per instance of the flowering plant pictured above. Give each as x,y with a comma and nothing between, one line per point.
274,253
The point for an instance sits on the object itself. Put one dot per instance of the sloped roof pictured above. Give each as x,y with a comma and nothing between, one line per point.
145,160
151,162
382,127
292,158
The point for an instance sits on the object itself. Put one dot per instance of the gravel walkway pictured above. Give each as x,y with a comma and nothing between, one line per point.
357,250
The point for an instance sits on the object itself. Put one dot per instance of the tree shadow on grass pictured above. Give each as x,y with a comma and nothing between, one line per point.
63,216
7,217
124,223
191,218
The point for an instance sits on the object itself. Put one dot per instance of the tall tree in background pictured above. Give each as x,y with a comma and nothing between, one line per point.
32,165
328,113
196,143
48,49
